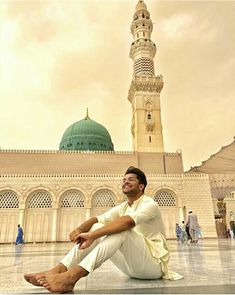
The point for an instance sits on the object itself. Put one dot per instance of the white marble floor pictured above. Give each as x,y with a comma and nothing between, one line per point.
207,267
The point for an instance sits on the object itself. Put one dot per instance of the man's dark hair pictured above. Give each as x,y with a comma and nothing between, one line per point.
140,175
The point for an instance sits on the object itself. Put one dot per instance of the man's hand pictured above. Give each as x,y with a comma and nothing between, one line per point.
74,235
85,240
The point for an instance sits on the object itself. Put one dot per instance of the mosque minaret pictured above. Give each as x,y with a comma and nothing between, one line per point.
145,89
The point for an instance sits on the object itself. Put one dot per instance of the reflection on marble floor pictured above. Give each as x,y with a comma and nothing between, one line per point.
209,264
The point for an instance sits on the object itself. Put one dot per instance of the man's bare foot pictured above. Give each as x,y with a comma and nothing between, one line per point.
59,283
31,278
62,282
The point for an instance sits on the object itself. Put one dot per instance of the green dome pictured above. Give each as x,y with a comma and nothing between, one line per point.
86,135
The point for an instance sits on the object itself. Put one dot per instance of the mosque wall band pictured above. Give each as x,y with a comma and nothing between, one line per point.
50,207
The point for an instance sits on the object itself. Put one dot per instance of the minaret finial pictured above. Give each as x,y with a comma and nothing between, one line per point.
140,6
87,114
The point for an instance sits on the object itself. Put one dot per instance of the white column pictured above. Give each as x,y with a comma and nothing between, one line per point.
88,213
21,217
181,214
54,225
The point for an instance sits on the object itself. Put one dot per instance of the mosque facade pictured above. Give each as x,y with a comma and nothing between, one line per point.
51,192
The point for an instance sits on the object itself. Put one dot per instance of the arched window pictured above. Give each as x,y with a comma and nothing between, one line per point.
8,199
104,198
40,199
165,198
72,199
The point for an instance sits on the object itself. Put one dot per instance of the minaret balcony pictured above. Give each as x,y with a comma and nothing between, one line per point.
145,83
140,24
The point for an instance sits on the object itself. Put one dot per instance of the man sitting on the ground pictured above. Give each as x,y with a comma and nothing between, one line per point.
131,235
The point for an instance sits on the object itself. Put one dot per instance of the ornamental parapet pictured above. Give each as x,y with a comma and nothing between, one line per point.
102,175
13,151
145,83
62,175
181,175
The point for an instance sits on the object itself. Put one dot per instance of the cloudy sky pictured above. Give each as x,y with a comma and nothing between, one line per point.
59,57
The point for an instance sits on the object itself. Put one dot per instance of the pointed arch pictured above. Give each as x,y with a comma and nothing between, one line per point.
102,200
71,212
168,203
39,216
9,215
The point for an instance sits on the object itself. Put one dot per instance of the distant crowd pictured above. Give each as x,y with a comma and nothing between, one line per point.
192,232
189,232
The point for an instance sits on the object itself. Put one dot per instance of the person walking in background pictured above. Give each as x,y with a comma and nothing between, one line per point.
187,232
178,231
199,233
233,230
193,226
184,235
20,233
231,234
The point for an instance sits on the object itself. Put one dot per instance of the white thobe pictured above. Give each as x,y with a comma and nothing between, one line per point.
140,252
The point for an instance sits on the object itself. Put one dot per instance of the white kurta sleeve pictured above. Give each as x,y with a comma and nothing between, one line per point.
109,215
145,213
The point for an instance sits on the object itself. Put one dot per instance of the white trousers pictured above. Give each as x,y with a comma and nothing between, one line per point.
127,250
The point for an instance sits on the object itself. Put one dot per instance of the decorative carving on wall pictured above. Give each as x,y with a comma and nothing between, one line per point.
133,122
149,116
